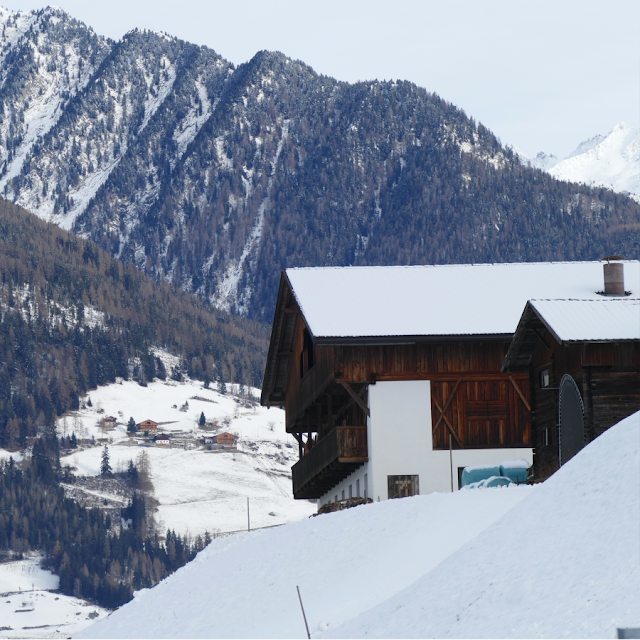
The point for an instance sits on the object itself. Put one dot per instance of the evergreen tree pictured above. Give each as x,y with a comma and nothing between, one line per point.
222,385
202,420
132,427
133,474
105,466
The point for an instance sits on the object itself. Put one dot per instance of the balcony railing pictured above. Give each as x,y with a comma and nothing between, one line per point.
329,461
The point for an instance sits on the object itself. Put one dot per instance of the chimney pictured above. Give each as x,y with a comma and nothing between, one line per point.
613,276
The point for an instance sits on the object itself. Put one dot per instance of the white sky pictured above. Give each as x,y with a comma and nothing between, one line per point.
542,75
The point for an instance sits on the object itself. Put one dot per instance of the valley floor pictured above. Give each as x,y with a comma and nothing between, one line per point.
30,607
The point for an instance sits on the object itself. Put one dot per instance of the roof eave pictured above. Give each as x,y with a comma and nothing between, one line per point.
340,341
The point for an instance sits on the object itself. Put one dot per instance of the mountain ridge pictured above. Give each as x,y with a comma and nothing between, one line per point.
611,161
214,177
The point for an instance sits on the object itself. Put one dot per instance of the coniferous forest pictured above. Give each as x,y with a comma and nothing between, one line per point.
214,176
95,558
72,318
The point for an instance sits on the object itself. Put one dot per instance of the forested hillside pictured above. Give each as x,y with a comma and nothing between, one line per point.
72,317
96,558
214,177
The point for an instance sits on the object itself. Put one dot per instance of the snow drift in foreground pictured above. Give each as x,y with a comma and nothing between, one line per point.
562,562
344,563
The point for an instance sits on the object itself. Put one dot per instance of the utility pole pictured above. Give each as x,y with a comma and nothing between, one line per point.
451,460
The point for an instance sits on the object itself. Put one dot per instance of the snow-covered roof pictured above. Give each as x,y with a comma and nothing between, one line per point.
447,300
593,320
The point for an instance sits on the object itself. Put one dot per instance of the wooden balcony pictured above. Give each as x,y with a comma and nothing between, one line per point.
330,460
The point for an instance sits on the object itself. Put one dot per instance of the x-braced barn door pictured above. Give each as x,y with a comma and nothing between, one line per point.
480,412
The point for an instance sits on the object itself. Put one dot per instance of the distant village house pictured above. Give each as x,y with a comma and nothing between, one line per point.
220,442
163,440
147,425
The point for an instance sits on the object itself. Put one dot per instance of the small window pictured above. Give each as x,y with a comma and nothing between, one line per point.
544,378
343,494
336,500
358,487
365,486
307,353
546,440
351,491
402,486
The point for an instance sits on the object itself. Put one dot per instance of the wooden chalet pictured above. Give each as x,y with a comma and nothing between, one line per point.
581,352
162,440
225,438
147,425
392,378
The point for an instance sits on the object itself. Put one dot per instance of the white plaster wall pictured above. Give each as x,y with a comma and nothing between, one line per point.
399,430
399,433
361,474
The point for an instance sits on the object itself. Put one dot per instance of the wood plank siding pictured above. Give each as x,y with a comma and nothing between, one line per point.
488,410
481,413
606,373
323,385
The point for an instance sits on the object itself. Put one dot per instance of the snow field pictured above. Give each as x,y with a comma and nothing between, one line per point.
198,490
28,608
344,563
556,560
562,563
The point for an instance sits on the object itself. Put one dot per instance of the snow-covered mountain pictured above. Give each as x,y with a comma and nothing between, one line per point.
214,176
610,161
557,560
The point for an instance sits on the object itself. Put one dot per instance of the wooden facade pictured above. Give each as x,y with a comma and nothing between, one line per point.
225,438
322,383
607,375
147,425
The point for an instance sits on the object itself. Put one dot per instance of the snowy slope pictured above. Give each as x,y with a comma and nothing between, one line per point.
563,563
344,563
30,608
612,161
198,490
558,560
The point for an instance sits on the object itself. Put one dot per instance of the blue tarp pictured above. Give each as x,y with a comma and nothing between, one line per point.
503,474
515,474
476,474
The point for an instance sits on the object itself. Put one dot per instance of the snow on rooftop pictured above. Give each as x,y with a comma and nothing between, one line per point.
571,320
485,299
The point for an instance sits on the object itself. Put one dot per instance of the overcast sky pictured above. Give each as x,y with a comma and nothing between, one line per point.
542,75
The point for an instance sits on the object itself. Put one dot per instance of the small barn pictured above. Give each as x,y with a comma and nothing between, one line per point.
147,425
583,361
163,440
